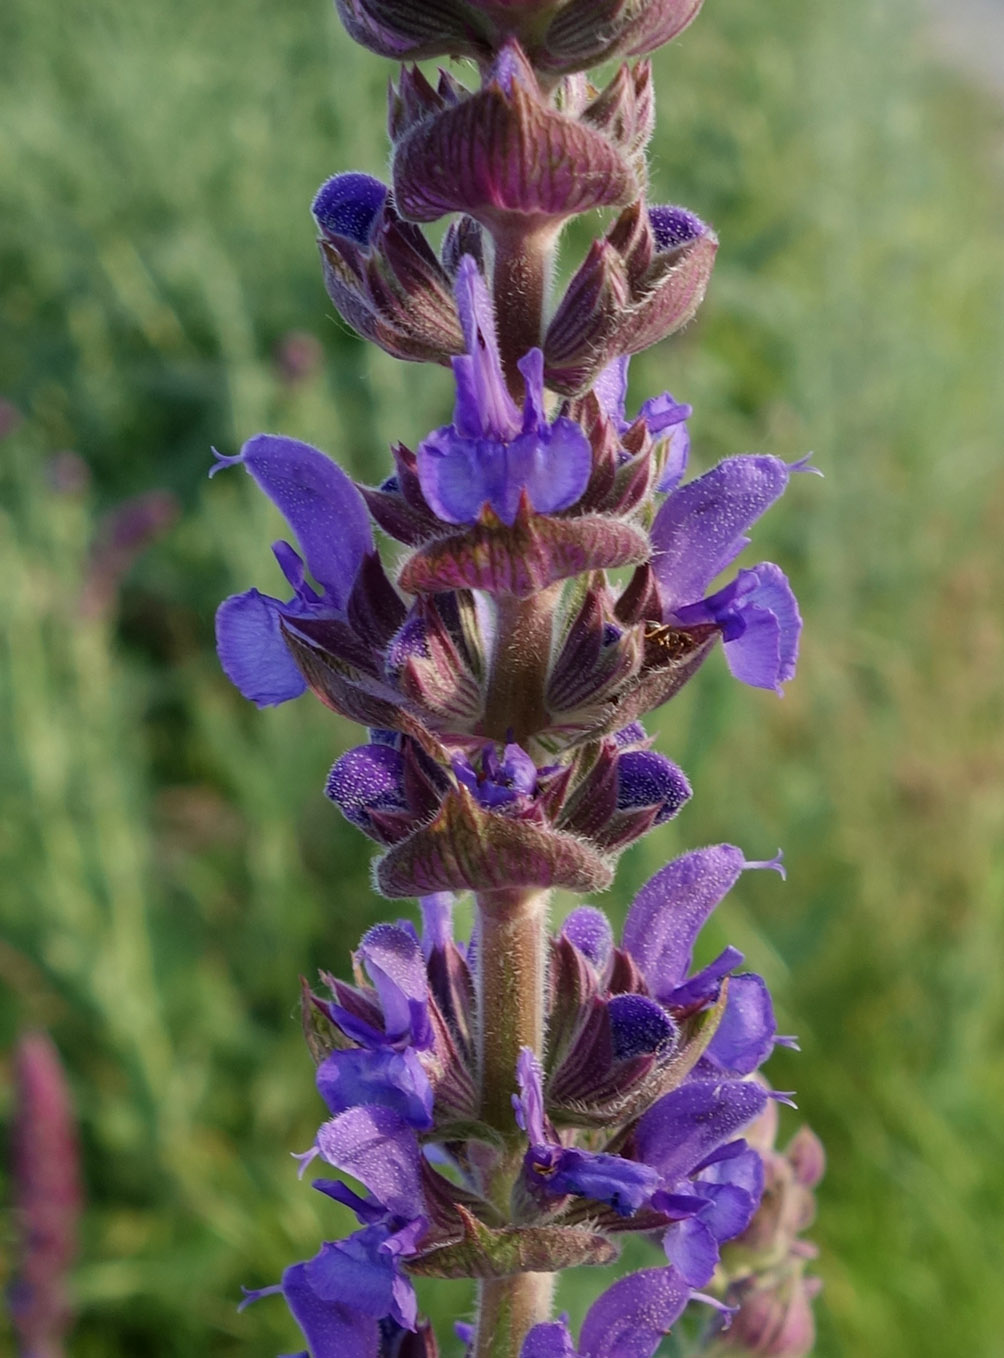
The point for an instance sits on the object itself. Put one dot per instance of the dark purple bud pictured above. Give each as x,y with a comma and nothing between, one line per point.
382,274
45,1182
646,779
367,779
349,205
639,1026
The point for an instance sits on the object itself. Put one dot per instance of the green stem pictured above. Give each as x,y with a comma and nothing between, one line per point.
507,1308
511,974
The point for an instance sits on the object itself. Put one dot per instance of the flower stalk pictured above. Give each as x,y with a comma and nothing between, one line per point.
509,1105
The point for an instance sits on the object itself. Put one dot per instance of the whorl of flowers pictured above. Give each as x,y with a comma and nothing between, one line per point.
510,1106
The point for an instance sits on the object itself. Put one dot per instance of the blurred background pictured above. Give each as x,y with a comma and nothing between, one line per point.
168,864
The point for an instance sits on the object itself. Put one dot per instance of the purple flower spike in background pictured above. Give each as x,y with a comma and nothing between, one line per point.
509,1104
492,453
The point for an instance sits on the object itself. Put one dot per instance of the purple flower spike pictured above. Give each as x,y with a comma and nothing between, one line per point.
348,205
674,226
647,779
630,1319
492,453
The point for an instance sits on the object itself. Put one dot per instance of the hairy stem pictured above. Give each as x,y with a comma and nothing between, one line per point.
514,704
511,973
507,1308
521,278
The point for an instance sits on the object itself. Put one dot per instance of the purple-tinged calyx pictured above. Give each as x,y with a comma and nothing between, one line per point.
503,154
493,453
381,273
329,518
643,280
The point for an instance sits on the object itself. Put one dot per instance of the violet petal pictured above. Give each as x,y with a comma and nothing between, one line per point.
630,1319
684,1126
669,911
322,506
377,1147
253,652
701,528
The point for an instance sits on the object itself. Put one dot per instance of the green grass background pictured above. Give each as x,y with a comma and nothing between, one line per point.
168,865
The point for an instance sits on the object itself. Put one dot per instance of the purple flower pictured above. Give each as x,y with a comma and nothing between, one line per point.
551,1170
507,782
665,418
660,932
329,518
697,534
493,453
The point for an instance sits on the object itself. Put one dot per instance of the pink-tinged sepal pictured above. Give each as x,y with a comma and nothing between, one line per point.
659,260
504,156
624,111
467,848
594,661
381,273
587,32
433,669
524,557
404,31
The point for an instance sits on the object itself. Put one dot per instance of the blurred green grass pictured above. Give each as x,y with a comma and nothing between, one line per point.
168,863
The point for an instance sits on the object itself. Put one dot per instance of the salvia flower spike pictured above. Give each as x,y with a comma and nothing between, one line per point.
504,1106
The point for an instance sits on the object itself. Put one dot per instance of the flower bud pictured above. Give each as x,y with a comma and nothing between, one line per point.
774,1317
644,280
381,273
